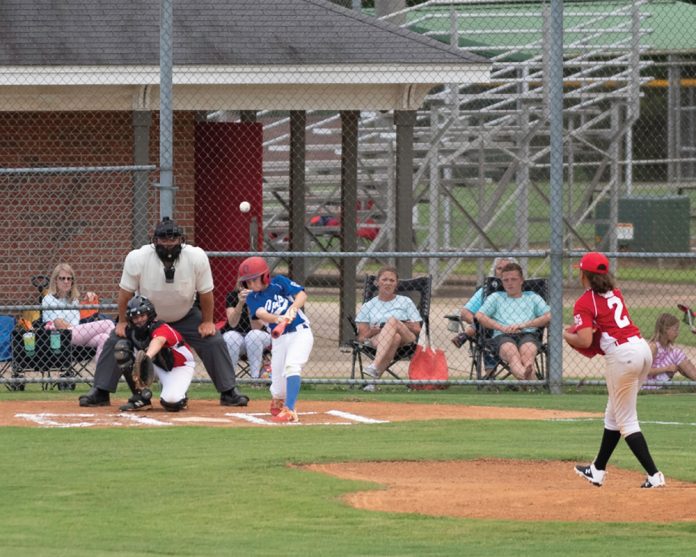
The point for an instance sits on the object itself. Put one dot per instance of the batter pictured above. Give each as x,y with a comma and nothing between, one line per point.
274,301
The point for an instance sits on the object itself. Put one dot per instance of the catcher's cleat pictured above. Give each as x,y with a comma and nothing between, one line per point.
95,397
286,416
276,406
233,398
591,474
656,480
138,401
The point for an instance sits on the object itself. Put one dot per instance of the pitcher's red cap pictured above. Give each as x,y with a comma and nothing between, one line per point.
594,262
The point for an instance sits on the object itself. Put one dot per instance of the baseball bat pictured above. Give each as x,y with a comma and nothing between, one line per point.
279,328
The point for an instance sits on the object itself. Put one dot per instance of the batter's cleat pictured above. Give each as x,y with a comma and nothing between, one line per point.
233,398
286,416
591,474
372,371
277,405
656,480
95,397
138,401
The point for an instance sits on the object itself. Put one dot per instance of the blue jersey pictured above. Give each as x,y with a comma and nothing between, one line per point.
276,298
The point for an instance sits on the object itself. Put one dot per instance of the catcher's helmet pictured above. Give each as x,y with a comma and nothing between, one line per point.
253,267
140,305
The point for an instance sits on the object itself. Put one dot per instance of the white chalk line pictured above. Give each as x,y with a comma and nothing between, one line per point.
44,419
263,418
201,419
56,420
47,419
356,417
651,422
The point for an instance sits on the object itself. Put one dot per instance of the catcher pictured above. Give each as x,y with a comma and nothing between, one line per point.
153,347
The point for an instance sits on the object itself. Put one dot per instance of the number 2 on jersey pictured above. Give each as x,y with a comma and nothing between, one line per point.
621,320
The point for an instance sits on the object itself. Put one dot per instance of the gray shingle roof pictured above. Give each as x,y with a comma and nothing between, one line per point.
217,32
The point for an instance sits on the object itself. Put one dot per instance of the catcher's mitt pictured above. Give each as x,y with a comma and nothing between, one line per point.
143,370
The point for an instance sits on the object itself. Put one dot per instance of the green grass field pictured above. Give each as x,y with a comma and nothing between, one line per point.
229,491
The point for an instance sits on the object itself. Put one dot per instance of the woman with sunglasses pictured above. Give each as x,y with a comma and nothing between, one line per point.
61,310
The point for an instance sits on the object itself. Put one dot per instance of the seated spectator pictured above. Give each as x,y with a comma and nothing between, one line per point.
515,318
469,310
243,335
668,358
62,292
387,321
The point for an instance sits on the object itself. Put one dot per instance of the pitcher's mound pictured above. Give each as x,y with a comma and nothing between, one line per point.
514,490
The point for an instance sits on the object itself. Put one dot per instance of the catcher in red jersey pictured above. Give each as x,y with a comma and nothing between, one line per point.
159,347
602,309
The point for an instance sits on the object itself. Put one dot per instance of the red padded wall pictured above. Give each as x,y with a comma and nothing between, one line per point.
228,168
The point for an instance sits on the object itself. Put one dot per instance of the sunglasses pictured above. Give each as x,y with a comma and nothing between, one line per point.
66,278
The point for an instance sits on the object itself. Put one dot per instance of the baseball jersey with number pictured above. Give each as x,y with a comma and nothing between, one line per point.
276,298
608,314
175,342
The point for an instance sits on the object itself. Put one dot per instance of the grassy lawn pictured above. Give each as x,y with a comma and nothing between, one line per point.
215,491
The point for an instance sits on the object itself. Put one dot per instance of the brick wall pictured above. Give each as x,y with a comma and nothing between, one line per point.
82,219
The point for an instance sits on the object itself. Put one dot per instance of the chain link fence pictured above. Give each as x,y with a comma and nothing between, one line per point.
417,134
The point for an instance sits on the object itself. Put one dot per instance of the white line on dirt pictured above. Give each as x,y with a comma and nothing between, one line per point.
252,418
44,419
201,419
356,417
140,419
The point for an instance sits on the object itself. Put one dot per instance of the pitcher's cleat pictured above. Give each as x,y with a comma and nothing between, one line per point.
591,474
656,480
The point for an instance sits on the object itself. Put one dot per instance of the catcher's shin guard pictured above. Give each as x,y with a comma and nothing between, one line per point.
174,406
138,401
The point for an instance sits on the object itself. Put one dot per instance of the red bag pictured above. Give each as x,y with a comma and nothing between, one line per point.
428,363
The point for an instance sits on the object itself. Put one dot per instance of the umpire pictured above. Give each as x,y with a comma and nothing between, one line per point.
170,273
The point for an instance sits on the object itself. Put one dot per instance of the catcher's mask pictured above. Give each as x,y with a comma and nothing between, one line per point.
167,229
253,267
140,305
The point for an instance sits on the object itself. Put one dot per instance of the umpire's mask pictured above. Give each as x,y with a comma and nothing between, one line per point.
167,229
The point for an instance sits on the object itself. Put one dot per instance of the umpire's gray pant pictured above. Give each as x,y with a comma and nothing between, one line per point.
211,350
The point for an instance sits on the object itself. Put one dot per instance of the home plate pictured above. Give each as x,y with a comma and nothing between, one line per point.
201,419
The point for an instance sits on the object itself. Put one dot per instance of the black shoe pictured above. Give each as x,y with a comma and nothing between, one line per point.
138,401
95,397
233,398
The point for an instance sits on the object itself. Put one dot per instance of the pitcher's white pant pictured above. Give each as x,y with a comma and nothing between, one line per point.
175,383
289,354
627,366
252,344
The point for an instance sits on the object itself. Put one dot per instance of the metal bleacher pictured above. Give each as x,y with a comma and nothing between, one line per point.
486,138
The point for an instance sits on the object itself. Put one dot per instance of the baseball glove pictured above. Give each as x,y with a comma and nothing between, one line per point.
143,370
593,349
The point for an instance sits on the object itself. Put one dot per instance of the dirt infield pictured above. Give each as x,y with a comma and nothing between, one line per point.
209,413
513,490
490,488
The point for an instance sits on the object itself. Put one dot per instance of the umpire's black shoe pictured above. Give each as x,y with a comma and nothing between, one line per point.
233,398
95,397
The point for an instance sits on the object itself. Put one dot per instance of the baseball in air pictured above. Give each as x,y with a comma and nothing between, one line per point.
245,206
